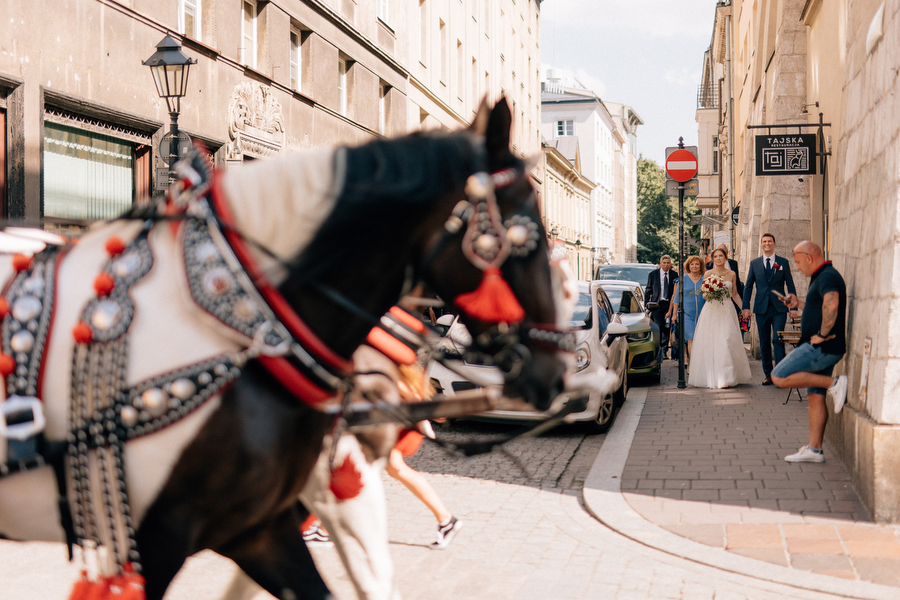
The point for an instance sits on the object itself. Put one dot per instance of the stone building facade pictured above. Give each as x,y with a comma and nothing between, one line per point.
566,202
834,62
76,103
607,138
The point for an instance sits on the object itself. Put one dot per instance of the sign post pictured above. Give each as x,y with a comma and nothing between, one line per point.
681,165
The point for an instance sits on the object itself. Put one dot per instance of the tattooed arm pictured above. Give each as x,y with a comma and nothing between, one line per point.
830,304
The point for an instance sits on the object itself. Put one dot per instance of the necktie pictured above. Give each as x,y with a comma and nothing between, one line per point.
665,290
768,267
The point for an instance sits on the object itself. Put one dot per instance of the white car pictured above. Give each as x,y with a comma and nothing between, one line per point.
599,377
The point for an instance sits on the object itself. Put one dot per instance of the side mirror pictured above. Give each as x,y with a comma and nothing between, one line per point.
614,331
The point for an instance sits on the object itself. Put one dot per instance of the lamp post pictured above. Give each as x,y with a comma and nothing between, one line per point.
170,68
554,233
578,256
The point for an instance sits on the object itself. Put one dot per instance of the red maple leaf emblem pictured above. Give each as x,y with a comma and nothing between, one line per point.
346,482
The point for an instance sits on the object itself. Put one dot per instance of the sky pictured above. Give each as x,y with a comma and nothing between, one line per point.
647,54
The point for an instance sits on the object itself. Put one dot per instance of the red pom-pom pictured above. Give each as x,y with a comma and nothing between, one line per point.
7,364
104,284
346,482
115,246
21,262
82,333
493,301
4,307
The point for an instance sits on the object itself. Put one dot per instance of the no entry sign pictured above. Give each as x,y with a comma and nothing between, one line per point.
681,165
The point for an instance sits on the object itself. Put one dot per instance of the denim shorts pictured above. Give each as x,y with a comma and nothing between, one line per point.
807,359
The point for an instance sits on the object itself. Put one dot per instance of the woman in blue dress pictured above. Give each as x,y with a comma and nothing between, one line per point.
693,299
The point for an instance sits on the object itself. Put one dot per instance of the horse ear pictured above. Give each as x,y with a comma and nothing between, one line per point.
480,122
497,135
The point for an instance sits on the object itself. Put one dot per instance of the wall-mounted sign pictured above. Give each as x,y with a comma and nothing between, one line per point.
788,154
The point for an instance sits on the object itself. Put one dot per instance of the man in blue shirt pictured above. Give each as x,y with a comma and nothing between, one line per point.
822,344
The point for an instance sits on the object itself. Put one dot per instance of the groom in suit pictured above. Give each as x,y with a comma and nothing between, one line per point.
767,273
660,287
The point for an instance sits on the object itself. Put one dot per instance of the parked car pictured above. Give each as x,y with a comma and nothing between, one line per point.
638,272
627,298
601,365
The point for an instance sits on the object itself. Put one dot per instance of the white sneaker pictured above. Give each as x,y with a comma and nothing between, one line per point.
446,532
838,391
806,454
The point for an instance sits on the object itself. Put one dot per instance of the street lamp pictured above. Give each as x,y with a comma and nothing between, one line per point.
170,68
578,256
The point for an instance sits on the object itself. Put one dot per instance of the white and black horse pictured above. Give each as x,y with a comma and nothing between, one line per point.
214,418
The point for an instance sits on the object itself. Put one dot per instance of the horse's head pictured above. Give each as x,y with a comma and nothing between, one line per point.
503,230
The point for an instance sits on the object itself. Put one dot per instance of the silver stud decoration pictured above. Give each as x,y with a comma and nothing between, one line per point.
522,234
126,264
479,185
213,286
106,314
26,308
129,415
25,327
183,388
155,400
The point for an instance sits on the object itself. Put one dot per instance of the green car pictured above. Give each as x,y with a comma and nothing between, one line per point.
627,298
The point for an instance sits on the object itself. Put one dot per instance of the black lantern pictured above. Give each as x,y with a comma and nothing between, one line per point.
170,68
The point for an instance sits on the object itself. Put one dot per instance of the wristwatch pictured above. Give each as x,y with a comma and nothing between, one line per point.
820,334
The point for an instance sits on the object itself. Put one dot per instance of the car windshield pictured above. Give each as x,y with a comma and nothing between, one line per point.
581,318
624,272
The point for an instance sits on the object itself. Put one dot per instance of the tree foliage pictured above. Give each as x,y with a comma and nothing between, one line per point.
657,215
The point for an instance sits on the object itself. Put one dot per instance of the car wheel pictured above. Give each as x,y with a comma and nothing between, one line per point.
606,412
620,395
657,376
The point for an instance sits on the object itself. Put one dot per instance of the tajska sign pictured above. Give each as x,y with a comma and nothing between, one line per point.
786,154
681,164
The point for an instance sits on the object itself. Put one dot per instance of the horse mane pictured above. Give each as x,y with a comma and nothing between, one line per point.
388,186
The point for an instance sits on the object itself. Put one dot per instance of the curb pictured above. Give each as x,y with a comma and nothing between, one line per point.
603,499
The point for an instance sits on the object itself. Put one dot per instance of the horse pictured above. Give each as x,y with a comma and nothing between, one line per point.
191,407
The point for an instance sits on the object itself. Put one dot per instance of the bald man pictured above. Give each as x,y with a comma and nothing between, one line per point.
822,345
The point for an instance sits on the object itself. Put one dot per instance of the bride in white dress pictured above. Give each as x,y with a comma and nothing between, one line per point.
718,359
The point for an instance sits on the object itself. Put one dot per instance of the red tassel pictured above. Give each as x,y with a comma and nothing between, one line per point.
493,301
127,586
346,482
98,590
81,588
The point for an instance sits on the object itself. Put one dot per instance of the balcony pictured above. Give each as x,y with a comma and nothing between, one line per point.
708,96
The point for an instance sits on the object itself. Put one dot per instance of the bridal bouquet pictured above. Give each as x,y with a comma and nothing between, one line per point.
714,288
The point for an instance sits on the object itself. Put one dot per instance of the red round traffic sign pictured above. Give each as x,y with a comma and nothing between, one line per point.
681,165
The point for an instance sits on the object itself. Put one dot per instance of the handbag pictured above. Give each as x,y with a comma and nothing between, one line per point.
745,324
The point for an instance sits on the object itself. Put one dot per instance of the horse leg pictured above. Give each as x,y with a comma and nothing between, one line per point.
276,558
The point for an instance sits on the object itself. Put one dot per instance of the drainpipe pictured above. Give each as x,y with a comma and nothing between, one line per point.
730,126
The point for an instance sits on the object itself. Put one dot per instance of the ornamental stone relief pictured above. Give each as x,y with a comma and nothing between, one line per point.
255,123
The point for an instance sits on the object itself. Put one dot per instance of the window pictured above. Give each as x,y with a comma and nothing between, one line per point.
461,70
564,128
423,32
296,61
248,34
189,18
384,10
383,91
87,175
715,154
445,52
343,67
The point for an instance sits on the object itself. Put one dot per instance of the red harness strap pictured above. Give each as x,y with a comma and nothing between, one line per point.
280,367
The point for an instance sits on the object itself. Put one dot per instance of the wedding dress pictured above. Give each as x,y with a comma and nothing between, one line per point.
718,359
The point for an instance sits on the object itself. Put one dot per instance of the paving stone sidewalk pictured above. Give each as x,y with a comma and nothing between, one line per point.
708,465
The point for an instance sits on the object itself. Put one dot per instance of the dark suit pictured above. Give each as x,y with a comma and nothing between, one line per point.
654,293
732,264
771,313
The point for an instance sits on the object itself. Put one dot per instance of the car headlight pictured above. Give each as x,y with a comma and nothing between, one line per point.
640,336
582,358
